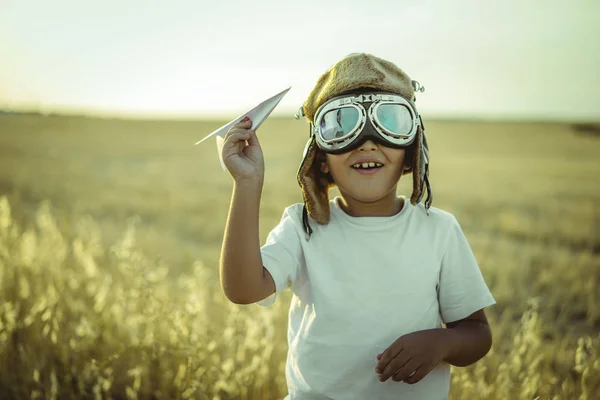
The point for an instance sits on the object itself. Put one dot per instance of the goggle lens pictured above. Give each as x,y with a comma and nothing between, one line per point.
394,118
338,123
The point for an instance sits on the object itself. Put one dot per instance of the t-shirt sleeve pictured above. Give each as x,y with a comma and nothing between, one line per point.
462,290
282,255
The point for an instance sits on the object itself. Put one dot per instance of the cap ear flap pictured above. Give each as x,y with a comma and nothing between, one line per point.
314,184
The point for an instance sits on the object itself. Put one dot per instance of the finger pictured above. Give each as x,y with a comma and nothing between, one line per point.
238,136
406,371
245,123
236,141
237,128
242,125
400,361
419,374
388,355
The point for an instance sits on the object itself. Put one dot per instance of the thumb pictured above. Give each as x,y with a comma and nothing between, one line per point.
253,140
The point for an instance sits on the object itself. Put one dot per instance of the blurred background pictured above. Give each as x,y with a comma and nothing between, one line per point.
517,60
111,220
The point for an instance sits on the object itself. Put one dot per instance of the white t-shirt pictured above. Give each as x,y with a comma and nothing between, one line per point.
359,284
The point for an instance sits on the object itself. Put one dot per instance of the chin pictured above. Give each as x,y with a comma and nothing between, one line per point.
370,195
367,189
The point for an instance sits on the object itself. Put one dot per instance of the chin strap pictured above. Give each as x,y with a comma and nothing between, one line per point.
425,174
429,198
307,229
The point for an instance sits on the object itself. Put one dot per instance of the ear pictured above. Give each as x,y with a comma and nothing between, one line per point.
322,157
409,158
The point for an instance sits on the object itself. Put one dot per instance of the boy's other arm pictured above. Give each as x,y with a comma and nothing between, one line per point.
413,356
244,280
468,339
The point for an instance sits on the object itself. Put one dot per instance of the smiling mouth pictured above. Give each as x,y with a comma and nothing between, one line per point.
367,165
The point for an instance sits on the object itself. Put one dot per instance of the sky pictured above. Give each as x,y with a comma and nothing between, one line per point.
526,59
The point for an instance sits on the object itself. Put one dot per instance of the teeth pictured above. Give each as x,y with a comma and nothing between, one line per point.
368,165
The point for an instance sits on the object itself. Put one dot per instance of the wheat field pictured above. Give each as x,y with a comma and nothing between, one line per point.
110,233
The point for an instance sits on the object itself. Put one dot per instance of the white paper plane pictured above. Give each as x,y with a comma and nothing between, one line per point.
257,115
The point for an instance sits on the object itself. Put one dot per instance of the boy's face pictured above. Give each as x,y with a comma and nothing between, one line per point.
366,185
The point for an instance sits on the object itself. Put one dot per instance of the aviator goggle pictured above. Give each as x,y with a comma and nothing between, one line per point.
341,124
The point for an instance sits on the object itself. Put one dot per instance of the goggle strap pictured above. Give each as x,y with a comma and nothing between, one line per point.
417,88
300,113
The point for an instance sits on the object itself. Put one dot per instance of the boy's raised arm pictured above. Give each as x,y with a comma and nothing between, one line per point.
243,278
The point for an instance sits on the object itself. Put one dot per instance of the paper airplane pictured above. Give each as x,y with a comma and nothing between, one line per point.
257,115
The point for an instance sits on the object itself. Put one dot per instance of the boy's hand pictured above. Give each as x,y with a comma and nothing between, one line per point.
244,162
411,357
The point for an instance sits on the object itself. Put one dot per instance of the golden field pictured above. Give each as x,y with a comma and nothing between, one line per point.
110,235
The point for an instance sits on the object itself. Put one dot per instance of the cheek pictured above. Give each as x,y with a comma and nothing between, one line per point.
335,163
396,156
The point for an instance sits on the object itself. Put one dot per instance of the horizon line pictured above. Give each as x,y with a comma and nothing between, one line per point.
281,114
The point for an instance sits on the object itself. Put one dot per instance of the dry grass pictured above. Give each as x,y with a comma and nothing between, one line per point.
110,235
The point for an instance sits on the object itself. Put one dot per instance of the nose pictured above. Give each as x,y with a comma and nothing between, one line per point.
368,145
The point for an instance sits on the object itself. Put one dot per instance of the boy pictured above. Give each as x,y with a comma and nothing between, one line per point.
374,276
